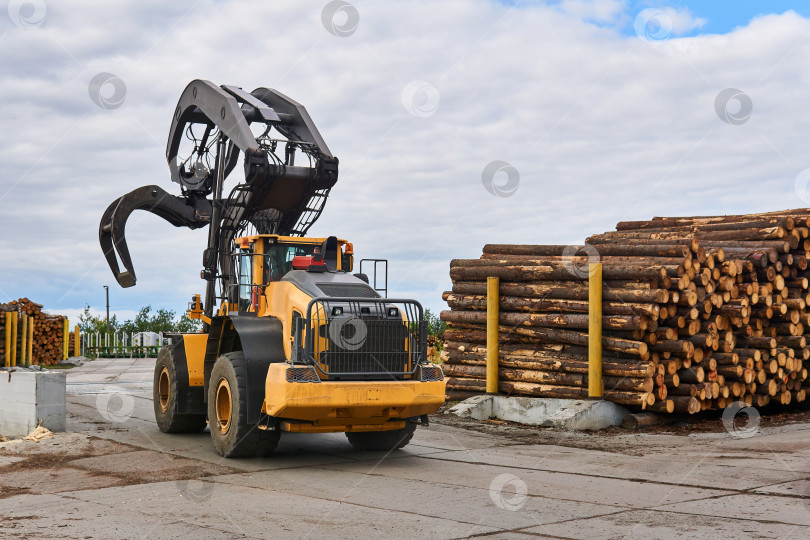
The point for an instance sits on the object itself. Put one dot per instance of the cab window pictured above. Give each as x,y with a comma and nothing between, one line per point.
278,259
346,261
245,279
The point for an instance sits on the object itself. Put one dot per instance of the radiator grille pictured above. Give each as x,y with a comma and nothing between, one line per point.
348,290
357,345
352,338
431,373
302,374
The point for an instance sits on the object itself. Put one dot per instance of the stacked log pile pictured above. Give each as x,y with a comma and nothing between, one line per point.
698,313
47,336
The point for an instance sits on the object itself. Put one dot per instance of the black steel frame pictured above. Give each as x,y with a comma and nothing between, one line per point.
383,290
377,357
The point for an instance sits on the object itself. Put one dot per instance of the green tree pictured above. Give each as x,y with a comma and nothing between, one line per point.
146,321
162,320
435,325
90,324
186,325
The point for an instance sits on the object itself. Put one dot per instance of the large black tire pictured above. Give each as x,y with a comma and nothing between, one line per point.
382,441
231,434
165,389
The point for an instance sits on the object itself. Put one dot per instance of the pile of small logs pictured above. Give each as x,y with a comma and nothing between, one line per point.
698,313
48,331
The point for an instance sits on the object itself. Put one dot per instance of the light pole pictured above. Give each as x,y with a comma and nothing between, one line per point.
107,290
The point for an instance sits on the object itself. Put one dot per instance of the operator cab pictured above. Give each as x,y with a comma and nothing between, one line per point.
281,258
264,259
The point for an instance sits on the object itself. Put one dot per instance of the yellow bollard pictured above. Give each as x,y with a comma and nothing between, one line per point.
493,305
23,335
7,350
13,338
66,340
30,341
595,330
77,349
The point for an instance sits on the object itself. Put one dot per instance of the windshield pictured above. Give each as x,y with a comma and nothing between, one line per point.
279,258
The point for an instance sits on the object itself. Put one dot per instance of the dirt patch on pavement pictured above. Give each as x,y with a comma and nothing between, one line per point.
72,462
73,444
675,430
39,461
143,466
6,492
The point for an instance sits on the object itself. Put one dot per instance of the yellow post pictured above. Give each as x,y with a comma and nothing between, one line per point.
258,261
7,350
30,341
77,350
23,336
65,340
13,338
493,301
595,330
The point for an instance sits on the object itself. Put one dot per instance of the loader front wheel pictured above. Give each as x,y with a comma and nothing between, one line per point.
165,389
383,441
231,434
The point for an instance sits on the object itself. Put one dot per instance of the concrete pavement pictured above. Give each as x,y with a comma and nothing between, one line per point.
114,475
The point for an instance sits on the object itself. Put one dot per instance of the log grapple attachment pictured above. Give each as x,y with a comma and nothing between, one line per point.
211,127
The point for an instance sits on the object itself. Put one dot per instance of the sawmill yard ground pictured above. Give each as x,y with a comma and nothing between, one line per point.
610,439
114,475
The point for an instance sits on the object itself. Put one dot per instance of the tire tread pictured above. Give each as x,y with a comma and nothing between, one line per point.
248,440
171,421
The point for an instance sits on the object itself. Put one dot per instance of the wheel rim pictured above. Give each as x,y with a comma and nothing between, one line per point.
164,389
223,405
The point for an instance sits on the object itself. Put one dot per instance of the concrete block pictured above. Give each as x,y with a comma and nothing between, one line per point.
26,397
571,414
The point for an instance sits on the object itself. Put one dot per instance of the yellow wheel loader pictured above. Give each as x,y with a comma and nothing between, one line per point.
292,340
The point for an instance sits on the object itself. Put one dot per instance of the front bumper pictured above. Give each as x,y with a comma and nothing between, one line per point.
347,403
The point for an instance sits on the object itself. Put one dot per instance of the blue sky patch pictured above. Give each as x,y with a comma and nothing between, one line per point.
722,16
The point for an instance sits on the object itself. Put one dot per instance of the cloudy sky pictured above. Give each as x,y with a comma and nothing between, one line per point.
457,123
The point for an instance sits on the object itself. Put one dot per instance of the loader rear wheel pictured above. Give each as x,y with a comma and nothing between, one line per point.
231,434
165,389
383,441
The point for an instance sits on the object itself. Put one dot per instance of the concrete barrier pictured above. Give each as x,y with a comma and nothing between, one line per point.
571,414
26,397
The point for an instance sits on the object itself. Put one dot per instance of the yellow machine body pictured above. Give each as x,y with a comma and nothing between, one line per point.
195,356
349,405
314,407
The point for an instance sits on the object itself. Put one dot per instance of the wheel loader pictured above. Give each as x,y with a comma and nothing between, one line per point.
292,339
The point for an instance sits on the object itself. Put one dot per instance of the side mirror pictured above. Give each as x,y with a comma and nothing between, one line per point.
210,259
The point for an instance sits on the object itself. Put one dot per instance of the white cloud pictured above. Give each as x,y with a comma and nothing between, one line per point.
601,127
601,11
683,21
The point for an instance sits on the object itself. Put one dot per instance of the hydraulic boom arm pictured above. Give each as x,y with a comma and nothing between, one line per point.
275,196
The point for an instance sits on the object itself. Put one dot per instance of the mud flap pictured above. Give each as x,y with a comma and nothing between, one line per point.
262,340
190,399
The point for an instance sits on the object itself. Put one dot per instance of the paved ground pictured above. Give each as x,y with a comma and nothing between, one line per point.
114,475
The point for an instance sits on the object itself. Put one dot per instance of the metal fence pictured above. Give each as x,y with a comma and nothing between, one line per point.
122,345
